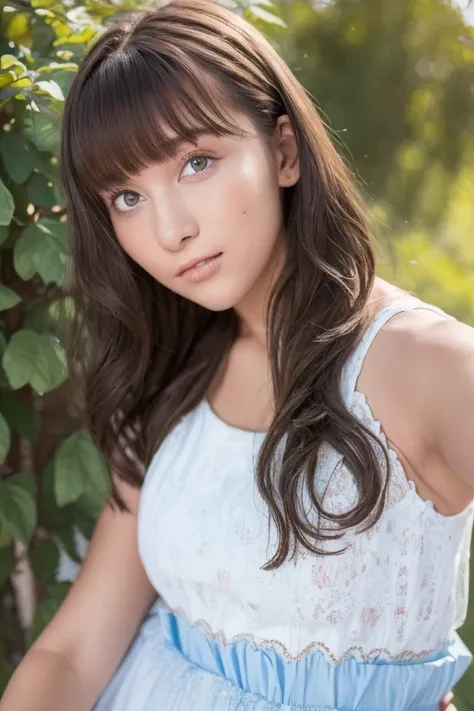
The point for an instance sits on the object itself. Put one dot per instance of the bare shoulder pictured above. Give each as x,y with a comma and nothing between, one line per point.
434,356
419,377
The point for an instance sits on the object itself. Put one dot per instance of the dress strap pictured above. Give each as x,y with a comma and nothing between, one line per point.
353,366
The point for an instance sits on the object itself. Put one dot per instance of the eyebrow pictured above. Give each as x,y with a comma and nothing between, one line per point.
172,146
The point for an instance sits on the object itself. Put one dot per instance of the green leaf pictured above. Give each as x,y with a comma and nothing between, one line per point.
38,317
42,248
51,88
64,79
7,206
266,16
79,38
50,514
18,27
67,539
5,439
43,37
42,3
43,131
44,613
13,92
8,298
47,608
80,472
22,83
18,156
21,418
59,198
24,253
58,67
44,559
90,504
5,539
18,506
40,192
6,79
8,61
85,522
62,519
34,359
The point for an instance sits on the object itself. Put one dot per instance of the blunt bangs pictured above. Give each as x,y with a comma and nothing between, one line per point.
135,110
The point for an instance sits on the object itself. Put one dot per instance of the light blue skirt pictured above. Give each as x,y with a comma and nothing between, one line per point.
174,666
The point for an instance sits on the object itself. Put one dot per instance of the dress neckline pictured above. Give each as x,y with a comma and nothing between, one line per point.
240,431
225,426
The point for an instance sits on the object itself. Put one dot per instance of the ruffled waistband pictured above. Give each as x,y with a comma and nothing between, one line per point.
316,682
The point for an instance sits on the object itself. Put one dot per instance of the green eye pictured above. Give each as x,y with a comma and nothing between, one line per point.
198,164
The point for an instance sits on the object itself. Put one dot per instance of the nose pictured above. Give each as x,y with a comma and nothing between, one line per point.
174,223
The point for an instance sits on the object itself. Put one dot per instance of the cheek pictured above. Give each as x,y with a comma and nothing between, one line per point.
136,249
136,240
258,179
250,197
260,206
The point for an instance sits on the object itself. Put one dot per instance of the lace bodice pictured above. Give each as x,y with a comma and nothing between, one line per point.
399,590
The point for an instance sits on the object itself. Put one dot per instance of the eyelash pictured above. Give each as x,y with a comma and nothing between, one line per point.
112,198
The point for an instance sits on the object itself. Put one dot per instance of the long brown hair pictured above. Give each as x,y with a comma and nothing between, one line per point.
146,356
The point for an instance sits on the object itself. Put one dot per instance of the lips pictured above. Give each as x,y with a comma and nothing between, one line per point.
200,261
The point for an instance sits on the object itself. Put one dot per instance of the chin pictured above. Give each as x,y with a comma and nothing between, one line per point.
220,299
217,304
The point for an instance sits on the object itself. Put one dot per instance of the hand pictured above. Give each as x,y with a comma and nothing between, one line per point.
446,704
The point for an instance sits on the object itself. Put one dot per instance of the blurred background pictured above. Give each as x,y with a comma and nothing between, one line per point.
394,81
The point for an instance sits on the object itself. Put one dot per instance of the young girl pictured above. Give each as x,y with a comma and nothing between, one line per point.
290,437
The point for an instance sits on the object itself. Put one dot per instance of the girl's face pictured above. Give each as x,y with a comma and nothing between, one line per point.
218,200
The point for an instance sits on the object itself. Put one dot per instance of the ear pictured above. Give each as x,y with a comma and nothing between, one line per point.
286,152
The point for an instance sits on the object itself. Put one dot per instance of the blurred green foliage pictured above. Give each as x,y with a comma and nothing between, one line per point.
395,82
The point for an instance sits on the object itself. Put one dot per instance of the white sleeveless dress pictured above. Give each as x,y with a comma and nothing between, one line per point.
372,629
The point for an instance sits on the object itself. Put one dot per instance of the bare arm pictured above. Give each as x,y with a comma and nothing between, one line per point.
451,413
71,662
419,380
438,391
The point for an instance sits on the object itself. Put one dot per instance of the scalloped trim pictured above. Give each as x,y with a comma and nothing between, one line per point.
354,652
427,505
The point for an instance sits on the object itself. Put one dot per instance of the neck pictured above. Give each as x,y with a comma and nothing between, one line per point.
253,309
